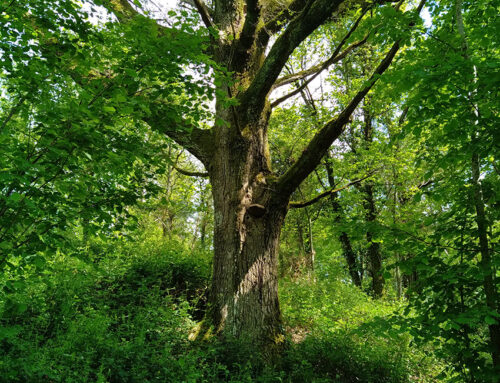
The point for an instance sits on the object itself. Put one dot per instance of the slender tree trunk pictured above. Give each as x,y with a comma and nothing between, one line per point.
347,250
311,252
481,220
373,252
486,262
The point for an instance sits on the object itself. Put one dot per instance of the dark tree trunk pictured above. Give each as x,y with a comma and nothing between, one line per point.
486,263
347,250
373,252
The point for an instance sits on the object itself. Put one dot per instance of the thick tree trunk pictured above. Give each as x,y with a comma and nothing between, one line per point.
248,219
249,203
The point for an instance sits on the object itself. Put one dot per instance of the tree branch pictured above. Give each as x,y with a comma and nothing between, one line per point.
199,142
312,16
190,173
204,13
125,12
122,9
318,146
274,25
296,205
320,143
334,58
13,111
252,17
316,70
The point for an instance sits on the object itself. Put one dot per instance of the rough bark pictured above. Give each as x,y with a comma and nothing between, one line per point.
248,218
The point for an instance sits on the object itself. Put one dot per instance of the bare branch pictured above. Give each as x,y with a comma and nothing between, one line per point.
190,173
296,205
316,70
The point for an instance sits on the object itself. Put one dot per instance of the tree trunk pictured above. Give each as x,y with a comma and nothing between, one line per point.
248,219
373,252
347,250
250,203
486,263
489,285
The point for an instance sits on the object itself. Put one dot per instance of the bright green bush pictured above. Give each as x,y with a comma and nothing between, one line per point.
344,336
124,314
124,319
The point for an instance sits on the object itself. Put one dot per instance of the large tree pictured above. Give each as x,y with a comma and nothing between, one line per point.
253,40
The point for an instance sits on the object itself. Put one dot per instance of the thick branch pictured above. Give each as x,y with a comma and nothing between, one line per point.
251,21
335,57
274,25
313,15
326,193
204,13
320,143
122,9
199,142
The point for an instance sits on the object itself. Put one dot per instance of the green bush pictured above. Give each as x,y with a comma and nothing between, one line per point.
343,335
124,314
124,319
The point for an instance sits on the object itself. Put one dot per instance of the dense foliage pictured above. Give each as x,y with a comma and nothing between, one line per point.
388,260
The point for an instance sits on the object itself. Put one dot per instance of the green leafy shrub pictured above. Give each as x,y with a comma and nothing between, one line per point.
343,335
125,319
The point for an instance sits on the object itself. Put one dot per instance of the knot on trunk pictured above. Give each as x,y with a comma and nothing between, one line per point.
256,210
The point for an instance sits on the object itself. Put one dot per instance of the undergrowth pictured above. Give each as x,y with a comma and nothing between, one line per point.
124,315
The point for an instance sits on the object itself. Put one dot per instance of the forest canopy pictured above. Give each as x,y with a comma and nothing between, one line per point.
249,190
